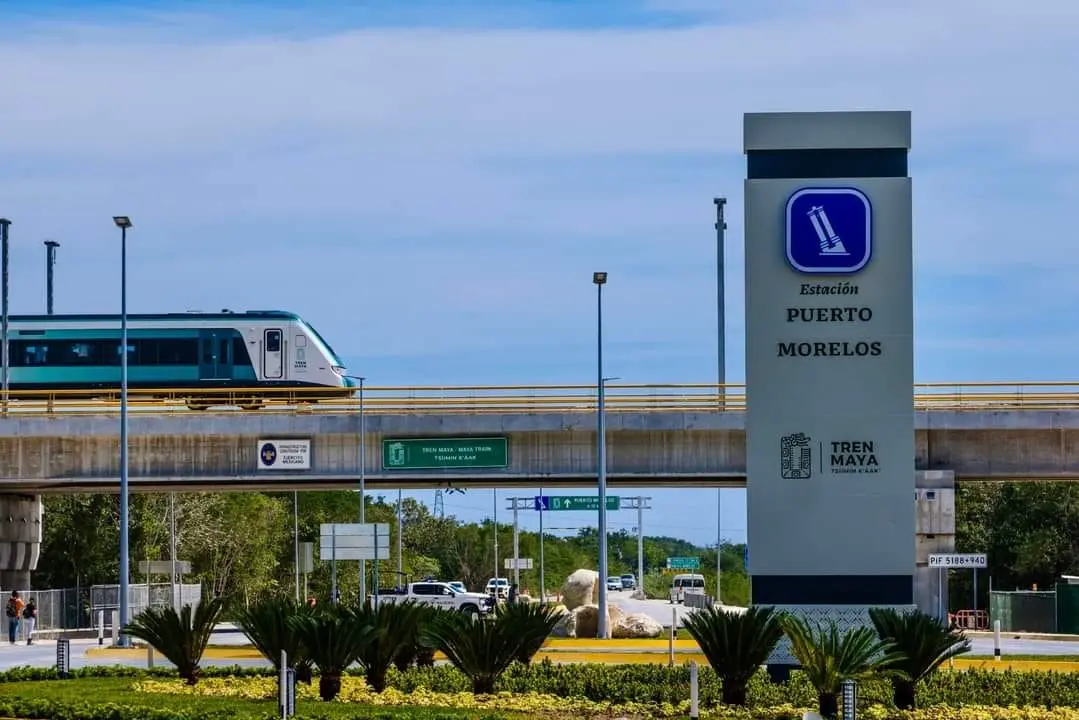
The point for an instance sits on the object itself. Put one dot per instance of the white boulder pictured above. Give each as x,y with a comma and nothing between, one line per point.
581,588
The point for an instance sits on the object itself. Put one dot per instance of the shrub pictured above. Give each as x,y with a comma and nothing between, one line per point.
181,637
923,643
736,644
267,624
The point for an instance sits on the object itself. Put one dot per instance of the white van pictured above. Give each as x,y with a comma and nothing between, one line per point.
682,585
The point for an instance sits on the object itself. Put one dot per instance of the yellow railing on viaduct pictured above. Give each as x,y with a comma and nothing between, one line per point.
475,399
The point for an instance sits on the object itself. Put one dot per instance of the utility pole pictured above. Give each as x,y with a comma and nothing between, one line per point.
640,504
515,504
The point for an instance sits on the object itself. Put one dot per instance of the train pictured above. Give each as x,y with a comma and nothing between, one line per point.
198,357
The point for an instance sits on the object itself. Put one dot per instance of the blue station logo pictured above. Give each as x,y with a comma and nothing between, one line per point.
829,231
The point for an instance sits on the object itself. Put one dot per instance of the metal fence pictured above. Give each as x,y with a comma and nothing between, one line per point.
76,608
106,598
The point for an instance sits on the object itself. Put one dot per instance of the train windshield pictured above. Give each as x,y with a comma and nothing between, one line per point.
324,345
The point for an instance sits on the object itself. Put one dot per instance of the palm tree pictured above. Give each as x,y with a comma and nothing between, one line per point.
924,641
181,637
534,623
393,626
736,644
267,626
332,638
829,657
482,649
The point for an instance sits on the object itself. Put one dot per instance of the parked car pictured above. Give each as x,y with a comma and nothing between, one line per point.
502,585
440,595
629,582
614,583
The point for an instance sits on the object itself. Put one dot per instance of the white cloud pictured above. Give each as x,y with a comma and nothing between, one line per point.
467,181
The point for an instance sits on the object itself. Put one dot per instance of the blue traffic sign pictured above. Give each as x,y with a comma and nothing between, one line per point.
829,231
541,502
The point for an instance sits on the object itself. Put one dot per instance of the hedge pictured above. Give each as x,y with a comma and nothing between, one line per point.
658,684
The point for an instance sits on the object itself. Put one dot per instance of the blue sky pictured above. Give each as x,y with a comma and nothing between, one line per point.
431,184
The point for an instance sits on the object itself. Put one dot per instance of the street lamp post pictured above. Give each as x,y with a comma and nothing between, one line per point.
123,222
600,279
50,263
4,359
363,500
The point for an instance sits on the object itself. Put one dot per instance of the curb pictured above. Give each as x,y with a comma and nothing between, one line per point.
1049,637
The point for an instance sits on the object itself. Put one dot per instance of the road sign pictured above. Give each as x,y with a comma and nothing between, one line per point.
164,567
354,541
574,502
284,454
959,560
434,453
684,563
521,564
307,558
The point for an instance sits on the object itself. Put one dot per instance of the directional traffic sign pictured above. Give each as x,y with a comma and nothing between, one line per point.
684,563
573,502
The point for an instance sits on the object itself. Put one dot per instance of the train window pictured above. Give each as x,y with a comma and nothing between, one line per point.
223,351
273,341
80,353
240,355
35,354
301,341
176,352
208,352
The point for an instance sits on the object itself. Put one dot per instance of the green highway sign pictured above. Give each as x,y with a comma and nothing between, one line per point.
575,502
452,452
683,563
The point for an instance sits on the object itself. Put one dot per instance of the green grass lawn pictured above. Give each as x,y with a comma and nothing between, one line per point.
119,691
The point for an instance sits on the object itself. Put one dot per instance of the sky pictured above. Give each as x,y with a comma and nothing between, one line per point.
431,184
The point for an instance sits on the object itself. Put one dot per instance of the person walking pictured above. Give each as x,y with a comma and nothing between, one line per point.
29,614
13,611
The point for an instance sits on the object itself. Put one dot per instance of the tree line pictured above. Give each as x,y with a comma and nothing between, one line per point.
241,545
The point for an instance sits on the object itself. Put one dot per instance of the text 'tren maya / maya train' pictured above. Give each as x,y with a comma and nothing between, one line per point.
206,359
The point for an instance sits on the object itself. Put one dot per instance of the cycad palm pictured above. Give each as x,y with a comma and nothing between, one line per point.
736,644
481,649
332,638
828,657
924,642
533,623
181,637
268,626
392,627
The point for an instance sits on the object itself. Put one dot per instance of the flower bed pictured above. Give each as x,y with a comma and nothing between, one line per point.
355,690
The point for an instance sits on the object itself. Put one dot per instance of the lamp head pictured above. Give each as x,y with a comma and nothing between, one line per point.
122,221
599,278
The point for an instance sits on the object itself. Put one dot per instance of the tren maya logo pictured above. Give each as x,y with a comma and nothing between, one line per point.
829,231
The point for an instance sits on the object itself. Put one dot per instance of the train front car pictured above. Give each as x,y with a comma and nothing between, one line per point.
237,359
315,367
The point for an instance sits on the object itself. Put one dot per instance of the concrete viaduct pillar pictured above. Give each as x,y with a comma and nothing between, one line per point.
20,540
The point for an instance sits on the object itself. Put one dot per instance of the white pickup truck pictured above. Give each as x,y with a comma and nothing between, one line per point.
439,594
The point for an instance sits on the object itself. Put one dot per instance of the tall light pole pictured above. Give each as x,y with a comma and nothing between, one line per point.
600,279
50,263
123,222
400,538
4,360
721,366
363,490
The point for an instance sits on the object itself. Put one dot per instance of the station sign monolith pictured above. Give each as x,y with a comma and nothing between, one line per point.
829,363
